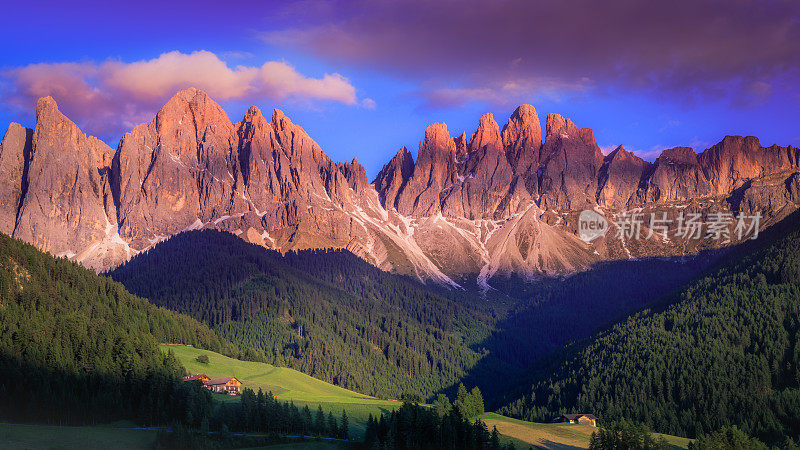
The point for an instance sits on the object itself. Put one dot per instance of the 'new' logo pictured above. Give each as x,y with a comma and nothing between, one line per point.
591,225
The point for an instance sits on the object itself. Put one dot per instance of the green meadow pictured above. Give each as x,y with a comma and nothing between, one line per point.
556,435
290,385
118,436
287,385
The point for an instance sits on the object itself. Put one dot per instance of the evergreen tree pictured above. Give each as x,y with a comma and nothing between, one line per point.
730,438
495,439
442,405
462,403
344,429
333,430
625,435
477,402
319,422
413,426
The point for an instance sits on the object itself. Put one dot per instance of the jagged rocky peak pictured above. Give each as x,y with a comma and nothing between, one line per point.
54,127
265,165
180,168
301,149
522,138
620,155
47,111
254,116
356,175
279,119
253,136
67,200
402,161
485,179
393,176
558,125
292,135
437,144
187,118
434,169
570,161
487,135
462,147
265,178
619,178
676,176
735,159
15,149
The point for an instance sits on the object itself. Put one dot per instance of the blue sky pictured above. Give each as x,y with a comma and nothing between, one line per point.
366,78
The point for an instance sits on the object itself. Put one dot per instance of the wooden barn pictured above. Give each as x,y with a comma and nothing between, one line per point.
583,419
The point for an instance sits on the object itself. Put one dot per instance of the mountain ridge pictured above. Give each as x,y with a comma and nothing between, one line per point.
501,202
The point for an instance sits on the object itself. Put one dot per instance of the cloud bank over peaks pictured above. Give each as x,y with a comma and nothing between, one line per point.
110,97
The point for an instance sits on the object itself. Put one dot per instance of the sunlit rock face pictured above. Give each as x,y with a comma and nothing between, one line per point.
495,202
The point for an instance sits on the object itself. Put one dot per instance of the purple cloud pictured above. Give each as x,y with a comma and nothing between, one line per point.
687,49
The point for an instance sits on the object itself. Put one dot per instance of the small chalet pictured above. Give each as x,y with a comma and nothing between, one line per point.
200,376
228,385
583,419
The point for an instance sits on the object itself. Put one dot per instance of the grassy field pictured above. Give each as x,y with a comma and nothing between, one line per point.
556,435
118,436
291,385
675,441
287,385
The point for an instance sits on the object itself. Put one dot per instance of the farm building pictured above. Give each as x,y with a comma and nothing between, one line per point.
200,376
583,419
228,385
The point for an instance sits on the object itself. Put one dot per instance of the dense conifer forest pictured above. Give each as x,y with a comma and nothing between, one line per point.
326,313
416,427
262,413
335,317
78,348
723,351
553,312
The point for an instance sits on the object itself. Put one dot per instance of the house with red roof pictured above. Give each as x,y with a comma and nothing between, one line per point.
199,376
229,385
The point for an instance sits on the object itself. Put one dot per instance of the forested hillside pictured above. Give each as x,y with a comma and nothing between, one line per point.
552,313
326,313
726,352
78,348
335,317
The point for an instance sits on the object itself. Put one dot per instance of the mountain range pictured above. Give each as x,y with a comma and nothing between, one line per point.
500,202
